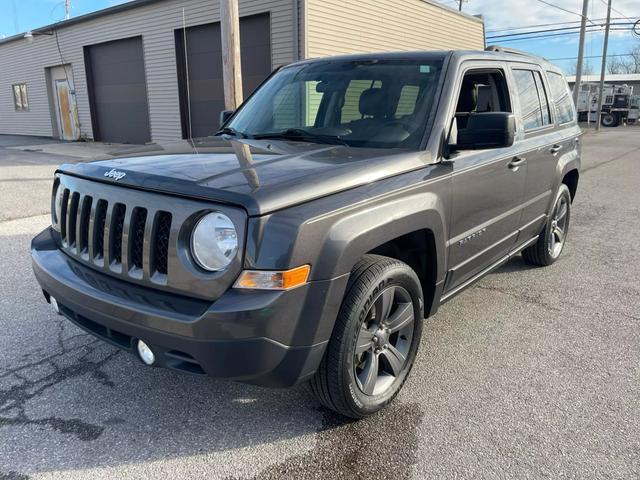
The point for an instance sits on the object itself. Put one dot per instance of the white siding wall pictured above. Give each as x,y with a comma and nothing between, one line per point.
22,62
352,26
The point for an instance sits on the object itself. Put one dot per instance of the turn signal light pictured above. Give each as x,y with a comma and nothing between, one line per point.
273,280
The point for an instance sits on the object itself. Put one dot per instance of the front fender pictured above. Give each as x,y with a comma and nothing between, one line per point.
333,232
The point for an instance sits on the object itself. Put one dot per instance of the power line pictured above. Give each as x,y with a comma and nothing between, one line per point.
558,35
591,56
554,30
509,29
563,9
617,11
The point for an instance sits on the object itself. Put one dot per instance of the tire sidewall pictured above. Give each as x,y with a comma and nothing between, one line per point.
398,275
562,191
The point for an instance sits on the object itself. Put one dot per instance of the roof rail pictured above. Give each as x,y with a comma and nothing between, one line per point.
499,48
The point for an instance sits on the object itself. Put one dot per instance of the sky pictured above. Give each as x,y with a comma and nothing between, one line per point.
17,16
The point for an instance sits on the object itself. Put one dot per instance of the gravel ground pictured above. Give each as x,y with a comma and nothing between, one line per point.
533,372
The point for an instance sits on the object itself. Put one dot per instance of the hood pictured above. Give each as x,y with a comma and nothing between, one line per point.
259,175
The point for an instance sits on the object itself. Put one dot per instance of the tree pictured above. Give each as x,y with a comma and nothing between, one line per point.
628,63
617,65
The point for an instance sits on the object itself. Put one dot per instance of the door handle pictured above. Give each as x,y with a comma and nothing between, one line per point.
516,163
555,149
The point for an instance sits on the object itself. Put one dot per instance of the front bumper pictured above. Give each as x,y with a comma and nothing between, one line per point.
269,338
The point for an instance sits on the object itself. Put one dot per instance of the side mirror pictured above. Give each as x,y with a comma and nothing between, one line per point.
487,130
224,116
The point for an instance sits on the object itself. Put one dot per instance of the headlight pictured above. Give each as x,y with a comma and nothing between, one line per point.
214,242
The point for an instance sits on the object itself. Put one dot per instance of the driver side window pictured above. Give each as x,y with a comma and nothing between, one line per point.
482,91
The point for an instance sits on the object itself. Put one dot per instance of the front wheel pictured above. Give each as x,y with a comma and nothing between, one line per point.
552,239
375,339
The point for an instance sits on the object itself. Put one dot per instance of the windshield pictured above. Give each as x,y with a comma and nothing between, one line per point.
375,104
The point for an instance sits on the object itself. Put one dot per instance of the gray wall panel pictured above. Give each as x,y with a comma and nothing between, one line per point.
156,23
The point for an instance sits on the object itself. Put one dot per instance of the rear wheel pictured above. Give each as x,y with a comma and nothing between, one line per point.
552,239
375,339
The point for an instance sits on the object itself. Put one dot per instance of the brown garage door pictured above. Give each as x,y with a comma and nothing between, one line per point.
199,60
118,91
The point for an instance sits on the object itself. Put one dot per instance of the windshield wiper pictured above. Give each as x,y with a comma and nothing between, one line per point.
231,131
302,135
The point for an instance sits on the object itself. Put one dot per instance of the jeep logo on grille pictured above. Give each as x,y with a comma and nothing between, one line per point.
115,174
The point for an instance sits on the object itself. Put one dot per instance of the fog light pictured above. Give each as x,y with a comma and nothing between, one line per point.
146,355
54,304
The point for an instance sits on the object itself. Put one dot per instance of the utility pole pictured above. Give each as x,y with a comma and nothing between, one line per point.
604,65
66,9
460,5
231,69
583,31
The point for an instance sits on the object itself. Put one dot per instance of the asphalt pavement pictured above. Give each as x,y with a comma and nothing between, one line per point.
531,373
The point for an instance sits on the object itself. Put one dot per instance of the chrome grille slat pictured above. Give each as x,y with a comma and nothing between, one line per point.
82,227
98,232
63,216
149,244
134,241
72,220
114,236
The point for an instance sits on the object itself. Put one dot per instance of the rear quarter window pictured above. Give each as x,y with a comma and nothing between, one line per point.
533,101
561,97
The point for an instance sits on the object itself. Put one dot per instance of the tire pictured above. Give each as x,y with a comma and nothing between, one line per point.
554,235
385,291
610,120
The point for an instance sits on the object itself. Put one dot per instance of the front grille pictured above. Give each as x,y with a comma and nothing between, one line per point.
140,236
112,235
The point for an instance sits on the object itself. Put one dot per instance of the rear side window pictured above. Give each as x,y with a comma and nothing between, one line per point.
533,101
561,98
544,100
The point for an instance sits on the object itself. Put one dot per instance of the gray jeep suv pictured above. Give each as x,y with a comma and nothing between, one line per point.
334,211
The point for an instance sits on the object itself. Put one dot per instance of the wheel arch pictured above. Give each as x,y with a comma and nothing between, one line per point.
570,179
418,250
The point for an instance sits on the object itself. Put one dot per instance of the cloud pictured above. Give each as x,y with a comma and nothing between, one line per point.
533,12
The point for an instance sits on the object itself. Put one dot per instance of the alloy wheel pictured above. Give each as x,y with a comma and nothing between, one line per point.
384,340
558,229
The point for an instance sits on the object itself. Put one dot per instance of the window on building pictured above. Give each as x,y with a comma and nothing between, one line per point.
531,104
561,97
20,101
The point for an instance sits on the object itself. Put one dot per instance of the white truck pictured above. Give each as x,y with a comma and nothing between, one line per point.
616,104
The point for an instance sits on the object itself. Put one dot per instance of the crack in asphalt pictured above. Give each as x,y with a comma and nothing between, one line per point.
530,299
14,400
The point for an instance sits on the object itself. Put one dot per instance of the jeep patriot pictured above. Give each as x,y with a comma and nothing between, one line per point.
336,209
